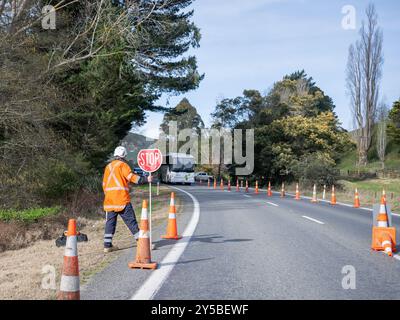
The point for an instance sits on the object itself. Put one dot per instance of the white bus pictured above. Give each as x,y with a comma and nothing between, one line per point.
178,168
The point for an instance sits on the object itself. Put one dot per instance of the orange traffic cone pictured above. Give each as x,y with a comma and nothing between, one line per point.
356,199
283,190
383,220
333,197
208,183
237,185
172,229
143,252
229,185
297,192
222,184
269,193
247,186
215,183
383,236
314,195
69,287
256,189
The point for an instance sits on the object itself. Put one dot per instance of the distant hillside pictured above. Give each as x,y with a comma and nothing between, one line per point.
135,142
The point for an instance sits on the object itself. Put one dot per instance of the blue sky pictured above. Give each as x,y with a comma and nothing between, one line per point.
252,44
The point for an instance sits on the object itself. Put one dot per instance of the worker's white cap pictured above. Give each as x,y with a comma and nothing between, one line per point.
120,152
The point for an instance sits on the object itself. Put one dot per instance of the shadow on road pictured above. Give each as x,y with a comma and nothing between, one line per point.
207,238
184,262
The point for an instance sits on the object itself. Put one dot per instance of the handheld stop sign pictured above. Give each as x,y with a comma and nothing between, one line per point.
149,160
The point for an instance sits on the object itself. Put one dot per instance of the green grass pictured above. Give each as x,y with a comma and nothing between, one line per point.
392,161
28,215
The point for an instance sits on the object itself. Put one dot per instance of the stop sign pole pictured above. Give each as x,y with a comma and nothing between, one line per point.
149,160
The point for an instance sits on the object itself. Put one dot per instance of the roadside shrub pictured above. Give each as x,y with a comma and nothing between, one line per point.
316,168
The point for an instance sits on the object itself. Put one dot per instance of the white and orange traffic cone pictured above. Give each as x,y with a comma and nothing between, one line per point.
256,189
297,197
383,220
143,251
269,192
324,193
208,183
222,184
70,284
215,183
356,199
229,185
333,196
237,185
172,229
314,195
283,190
383,235
247,186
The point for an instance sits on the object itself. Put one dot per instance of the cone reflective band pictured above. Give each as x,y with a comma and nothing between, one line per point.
269,189
283,190
356,199
297,192
143,251
172,229
69,286
314,197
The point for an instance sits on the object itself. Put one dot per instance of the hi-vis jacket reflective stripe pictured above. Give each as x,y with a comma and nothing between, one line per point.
117,177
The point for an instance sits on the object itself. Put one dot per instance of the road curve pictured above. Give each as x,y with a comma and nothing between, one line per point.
249,246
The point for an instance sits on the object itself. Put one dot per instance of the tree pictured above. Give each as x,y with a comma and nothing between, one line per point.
68,96
188,126
394,122
381,139
293,122
185,115
364,72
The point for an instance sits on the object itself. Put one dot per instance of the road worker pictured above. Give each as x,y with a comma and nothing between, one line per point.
117,201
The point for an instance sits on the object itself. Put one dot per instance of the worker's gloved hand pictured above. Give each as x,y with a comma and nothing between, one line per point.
149,179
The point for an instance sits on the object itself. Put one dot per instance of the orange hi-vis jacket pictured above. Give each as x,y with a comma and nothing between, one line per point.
117,176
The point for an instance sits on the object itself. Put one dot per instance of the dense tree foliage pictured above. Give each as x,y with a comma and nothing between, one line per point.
294,124
394,124
69,95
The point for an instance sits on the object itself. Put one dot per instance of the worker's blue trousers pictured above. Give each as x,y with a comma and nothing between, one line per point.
128,215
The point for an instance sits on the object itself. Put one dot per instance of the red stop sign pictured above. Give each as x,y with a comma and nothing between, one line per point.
149,160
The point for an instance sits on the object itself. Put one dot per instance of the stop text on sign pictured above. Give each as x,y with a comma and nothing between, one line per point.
149,160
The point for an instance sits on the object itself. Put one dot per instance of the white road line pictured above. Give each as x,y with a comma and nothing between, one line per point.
397,256
311,219
245,195
150,288
272,204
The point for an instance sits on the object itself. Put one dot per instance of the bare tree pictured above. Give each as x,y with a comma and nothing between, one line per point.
364,73
381,141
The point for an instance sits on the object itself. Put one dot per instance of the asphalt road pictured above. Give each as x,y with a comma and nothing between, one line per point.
248,246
